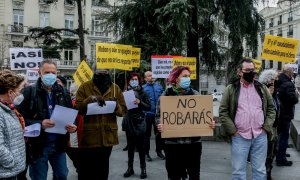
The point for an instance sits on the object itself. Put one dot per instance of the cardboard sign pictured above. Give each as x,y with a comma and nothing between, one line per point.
294,66
110,56
32,74
258,64
83,73
161,66
25,58
280,49
186,116
136,57
186,61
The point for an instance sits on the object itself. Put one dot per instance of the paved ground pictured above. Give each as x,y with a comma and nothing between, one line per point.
215,163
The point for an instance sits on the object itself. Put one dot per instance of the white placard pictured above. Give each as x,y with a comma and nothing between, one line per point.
33,130
294,66
25,58
32,74
161,66
62,116
108,108
129,98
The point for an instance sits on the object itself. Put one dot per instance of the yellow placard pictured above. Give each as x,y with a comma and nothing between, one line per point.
83,73
186,61
280,49
186,116
111,56
258,64
136,57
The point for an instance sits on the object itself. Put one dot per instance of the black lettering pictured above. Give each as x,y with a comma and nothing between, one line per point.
192,104
188,117
31,64
31,54
202,116
172,120
21,54
209,117
165,117
183,104
179,118
18,65
196,117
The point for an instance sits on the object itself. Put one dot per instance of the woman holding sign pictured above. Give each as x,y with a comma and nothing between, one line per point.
135,125
182,154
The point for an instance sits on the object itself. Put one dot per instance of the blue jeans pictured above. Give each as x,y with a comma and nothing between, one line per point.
283,140
39,169
258,153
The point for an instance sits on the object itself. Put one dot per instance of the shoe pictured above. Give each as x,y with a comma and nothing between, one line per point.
143,173
284,163
161,155
287,155
125,148
148,157
129,172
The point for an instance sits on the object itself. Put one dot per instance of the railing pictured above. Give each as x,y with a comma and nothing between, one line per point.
289,33
47,1
67,64
68,33
279,22
290,19
17,29
271,25
204,84
96,33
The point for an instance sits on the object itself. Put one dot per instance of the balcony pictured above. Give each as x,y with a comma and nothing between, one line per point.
279,22
290,19
17,29
271,25
46,1
290,33
104,36
68,33
65,64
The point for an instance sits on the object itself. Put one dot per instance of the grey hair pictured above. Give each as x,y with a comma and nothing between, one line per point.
48,61
267,75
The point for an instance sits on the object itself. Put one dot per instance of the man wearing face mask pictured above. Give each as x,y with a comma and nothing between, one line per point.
37,107
247,115
288,97
100,131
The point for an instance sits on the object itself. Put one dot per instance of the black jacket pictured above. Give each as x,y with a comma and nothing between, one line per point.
34,109
287,96
134,121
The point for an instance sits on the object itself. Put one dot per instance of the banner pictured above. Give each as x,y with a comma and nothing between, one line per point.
161,66
258,64
136,57
294,66
25,58
280,49
32,74
83,73
111,56
186,116
186,61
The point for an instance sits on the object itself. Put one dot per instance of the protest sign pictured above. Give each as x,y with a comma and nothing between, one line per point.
111,56
280,49
161,66
83,73
186,61
186,116
32,74
136,57
294,66
25,58
258,64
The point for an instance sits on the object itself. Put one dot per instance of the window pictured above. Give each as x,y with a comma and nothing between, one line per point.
279,33
93,52
69,24
97,2
17,43
290,16
68,57
97,26
271,22
279,65
280,20
18,20
271,64
290,31
44,19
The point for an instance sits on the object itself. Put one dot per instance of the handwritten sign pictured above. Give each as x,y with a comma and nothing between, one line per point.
25,58
161,65
186,116
83,73
32,74
136,57
186,61
280,49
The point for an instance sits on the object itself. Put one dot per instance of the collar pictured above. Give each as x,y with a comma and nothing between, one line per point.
245,85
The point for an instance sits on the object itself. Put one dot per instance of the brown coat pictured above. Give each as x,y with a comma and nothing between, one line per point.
99,130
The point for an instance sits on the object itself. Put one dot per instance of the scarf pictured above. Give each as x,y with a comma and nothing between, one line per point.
181,91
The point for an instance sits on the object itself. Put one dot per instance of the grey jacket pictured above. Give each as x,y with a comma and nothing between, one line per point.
12,144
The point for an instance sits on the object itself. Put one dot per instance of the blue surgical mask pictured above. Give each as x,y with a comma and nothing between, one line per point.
185,82
134,83
49,79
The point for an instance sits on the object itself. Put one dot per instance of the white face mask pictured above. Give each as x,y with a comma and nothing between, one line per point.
18,99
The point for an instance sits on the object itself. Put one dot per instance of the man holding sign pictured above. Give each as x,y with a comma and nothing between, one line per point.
189,146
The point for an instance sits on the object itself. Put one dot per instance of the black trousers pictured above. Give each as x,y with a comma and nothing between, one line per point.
94,163
73,155
159,142
182,159
136,142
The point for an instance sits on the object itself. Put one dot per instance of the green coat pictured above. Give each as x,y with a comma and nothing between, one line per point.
228,108
99,130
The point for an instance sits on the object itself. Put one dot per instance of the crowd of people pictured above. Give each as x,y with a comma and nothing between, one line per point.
255,113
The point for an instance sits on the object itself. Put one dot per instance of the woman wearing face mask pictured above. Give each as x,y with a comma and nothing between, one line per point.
178,165
135,125
12,146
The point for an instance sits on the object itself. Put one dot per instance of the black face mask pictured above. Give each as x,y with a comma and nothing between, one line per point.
102,81
249,76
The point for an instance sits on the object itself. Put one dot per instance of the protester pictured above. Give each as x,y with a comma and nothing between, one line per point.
190,148
154,90
37,107
247,114
288,98
12,146
100,132
267,77
61,80
135,125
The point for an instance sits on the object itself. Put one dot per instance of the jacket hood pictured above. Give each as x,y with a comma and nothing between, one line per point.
282,78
